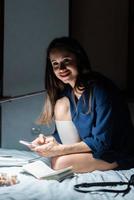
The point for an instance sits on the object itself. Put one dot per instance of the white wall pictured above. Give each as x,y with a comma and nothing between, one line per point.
29,26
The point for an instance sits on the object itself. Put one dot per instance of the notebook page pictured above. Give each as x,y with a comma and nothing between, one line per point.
38,168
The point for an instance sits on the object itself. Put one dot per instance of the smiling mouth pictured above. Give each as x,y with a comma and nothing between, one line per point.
64,74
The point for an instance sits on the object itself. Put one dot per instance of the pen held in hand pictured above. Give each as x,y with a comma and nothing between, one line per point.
33,159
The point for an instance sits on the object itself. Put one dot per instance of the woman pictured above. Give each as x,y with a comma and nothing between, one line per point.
93,126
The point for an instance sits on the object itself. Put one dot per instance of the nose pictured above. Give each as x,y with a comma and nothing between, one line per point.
62,66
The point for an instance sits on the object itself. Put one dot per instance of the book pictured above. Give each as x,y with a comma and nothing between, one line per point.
40,170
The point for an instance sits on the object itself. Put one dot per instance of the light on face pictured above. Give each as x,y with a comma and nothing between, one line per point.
67,61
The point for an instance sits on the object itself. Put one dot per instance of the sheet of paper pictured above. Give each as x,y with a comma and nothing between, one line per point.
7,161
41,170
38,168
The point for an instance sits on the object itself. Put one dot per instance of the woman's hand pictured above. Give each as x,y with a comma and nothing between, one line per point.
39,140
49,147
46,146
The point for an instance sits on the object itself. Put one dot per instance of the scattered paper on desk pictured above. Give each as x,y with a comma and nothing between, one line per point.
8,162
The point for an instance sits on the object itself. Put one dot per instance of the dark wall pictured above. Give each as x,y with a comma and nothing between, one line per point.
103,29
131,49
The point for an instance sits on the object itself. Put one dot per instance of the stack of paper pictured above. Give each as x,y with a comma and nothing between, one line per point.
42,171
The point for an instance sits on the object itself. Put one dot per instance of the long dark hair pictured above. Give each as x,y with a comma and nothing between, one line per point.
53,85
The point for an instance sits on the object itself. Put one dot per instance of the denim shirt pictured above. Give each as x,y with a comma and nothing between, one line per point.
107,127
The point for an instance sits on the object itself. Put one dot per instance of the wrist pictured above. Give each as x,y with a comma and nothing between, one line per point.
61,149
65,149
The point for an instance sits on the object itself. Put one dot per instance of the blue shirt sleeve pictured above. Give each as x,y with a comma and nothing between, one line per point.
56,136
100,138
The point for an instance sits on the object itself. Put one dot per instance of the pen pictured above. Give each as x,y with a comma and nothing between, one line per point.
33,159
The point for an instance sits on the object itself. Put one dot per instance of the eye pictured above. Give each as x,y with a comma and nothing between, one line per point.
67,61
54,63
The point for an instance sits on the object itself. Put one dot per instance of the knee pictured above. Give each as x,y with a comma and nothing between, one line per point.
62,109
60,163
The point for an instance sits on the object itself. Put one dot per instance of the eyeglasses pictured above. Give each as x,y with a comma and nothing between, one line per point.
80,187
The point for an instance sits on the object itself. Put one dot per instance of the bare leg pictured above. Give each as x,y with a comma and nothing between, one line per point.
83,162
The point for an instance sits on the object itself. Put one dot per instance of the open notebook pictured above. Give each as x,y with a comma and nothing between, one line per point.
40,170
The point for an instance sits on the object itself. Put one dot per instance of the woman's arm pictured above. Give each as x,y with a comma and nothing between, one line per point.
105,109
49,147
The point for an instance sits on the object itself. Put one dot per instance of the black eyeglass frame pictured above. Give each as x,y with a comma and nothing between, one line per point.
79,187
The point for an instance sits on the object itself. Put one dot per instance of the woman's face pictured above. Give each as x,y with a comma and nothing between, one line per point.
64,66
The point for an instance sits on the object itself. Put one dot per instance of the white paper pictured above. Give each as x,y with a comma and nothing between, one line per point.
41,170
5,161
38,169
